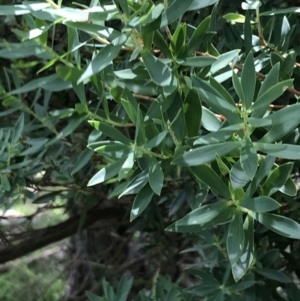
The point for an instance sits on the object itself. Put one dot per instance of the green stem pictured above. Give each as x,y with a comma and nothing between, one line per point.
108,121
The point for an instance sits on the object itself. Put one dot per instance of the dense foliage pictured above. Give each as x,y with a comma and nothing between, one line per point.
178,116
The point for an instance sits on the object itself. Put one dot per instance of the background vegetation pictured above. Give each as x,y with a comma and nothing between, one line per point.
155,148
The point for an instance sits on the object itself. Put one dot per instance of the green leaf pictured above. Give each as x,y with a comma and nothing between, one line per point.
196,4
22,9
83,159
37,144
285,151
153,14
209,120
248,80
235,237
279,118
175,11
206,154
100,61
176,119
113,133
161,44
157,140
5,183
291,121
206,175
224,169
241,286
68,130
220,136
260,204
272,94
178,41
136,183
263,171
19,127
249,159
107,172
222,91
204,216
141,201
160,73
14,52
273,274
124,288
238,18
238,176
270,80
156,176
223,60
247,33
238,88
127,166
123,6
93,297
285,11
198,61
198,35
279,224
69,74
277,178
212,98
289,188
50,83
245,261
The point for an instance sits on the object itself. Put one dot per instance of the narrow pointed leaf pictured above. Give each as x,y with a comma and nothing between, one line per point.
260,204
249,160
156,177
106,173
235,238
248,80
285,151
206,175
100,61
141,201
279,224
272,94
206,153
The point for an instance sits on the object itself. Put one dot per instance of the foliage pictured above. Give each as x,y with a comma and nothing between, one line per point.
187,110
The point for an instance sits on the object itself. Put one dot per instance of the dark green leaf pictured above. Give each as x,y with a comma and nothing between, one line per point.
249,160
100,61
260,204
93,297
238,176
244,263
277,178
211,97
207,215
221,135
156,176
285,151
141,201
235,237
206,154
106,173
160,73
206,175
271,94
248,80
273,274
279,224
